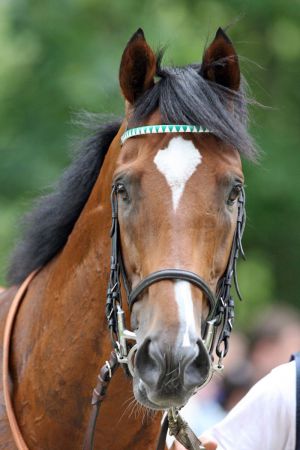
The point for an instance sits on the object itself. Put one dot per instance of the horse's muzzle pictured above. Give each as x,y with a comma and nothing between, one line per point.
166,376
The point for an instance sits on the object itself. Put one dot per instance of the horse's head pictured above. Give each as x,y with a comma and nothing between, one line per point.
177,198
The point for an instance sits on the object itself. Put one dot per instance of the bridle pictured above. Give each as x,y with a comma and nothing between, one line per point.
218,325
219,322
221,305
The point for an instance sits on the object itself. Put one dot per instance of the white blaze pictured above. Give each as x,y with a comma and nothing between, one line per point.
177,163
183,296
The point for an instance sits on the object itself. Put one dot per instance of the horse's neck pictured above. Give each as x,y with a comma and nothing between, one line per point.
61,337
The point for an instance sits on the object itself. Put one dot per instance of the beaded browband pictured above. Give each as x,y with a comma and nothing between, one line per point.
152,129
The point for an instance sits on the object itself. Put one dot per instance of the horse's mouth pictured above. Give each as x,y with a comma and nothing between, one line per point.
160,400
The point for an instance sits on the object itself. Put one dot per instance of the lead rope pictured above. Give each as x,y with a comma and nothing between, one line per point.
180,429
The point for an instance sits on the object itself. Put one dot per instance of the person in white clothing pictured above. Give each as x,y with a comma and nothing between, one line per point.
264,419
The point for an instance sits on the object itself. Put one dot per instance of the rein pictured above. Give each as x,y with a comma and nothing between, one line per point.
218,324
9,324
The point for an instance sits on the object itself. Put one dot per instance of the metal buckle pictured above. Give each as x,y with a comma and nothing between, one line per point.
124,355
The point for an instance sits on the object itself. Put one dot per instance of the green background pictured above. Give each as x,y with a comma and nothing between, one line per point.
62,56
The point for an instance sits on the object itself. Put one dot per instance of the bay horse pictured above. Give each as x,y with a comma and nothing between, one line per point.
174,163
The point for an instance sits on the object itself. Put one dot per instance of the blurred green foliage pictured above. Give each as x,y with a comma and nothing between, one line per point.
61,56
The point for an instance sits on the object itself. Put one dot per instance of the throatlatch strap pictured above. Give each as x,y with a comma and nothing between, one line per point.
296,357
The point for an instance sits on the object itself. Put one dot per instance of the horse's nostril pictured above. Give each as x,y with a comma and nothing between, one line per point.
197,370
145,362
201,354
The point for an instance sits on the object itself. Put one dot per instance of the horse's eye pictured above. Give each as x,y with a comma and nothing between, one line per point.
234,193
122,191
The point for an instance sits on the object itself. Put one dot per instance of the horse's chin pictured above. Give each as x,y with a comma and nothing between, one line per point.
157,401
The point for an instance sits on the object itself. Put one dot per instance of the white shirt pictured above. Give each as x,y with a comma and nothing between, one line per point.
265,418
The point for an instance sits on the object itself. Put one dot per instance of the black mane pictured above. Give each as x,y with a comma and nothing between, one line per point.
183,97
47,227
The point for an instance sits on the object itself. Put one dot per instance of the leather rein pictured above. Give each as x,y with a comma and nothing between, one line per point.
9,324
218,327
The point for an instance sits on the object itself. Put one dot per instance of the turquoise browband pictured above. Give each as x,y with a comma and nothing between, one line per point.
152,129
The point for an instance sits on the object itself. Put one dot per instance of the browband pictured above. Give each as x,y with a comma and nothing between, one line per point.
153,129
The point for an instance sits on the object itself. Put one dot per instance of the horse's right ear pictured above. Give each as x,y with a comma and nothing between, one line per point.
138,66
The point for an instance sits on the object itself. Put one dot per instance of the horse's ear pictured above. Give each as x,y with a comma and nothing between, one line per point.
138,66
220,62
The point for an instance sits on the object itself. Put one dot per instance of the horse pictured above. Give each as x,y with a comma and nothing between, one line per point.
155,199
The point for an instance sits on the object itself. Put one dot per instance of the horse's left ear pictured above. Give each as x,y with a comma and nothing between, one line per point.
138,66
220,62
